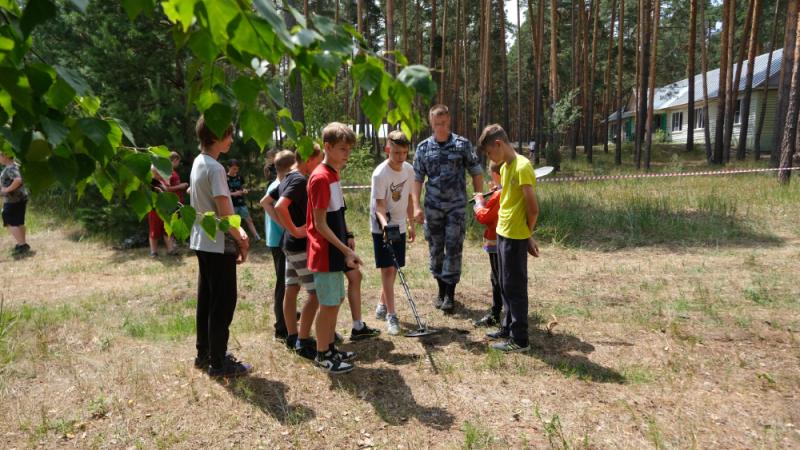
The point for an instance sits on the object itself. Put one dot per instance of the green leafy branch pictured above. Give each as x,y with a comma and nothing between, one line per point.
49,117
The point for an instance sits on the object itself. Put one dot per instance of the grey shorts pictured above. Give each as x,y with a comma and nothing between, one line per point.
297,272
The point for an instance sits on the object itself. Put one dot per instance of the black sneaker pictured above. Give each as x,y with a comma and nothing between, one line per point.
306,348
510,346
203,361
291,342
231,367
330,363
281,336
502,333
20,250
364,333
342,355
489,320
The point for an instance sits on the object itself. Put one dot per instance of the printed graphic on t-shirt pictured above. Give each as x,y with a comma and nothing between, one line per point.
397,190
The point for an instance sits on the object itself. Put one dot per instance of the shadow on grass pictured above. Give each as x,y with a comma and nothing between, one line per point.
380,349
566,353
270,397
391,398
580,219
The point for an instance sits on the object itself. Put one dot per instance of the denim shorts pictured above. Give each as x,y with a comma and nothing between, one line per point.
242,212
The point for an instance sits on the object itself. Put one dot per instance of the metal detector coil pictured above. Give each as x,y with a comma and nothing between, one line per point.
391,233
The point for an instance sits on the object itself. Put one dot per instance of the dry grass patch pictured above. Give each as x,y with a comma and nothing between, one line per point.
657,346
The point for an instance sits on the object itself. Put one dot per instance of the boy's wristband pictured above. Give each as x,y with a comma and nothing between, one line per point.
350,235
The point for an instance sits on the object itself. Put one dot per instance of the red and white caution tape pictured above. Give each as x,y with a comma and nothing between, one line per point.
661,175
637,176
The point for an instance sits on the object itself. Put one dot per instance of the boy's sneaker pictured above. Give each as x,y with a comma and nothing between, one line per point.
202,362
502,333
364,333
393,325
20,250
489,320
230,367
380,312
330,363
306,348
510,346
342,355
291,342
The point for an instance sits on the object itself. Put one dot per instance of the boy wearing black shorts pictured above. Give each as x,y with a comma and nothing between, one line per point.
391,213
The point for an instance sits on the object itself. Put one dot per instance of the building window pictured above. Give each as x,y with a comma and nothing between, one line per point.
737,115
677,121
699,118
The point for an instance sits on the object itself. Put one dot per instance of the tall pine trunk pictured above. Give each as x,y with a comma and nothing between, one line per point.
589,138
704,69
784,85
718,156
620,104
651,85
741,150
519,81
734,99
504,60
763,112
644,74
442,84
789,139
553,67
295,82
607,77
690,70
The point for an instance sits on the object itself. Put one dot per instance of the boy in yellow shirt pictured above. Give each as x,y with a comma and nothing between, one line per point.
517,216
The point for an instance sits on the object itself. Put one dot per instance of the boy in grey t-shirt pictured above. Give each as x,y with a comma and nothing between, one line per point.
216,291
15,200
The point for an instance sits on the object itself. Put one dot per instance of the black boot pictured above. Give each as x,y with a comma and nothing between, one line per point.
440,297
449,302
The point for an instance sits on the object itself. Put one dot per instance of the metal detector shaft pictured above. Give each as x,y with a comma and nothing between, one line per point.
389,248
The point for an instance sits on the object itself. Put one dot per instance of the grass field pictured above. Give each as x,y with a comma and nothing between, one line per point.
678,309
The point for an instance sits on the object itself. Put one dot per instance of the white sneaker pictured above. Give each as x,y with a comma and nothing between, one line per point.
380,312
393,325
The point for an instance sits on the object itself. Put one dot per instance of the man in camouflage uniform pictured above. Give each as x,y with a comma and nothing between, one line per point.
443,158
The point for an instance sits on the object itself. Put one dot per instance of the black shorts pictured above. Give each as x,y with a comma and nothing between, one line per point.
14,213
382,256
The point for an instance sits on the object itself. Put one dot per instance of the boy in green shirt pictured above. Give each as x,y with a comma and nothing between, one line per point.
517,216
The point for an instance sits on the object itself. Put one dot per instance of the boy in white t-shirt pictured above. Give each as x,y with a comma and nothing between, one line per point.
391,213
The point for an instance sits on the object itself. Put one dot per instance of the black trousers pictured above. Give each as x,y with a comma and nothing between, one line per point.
497,296
513,257
216,301
279,261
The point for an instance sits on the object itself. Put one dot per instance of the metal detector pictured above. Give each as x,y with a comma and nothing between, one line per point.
391,233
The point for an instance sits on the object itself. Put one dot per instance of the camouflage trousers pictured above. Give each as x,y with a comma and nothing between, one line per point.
445,230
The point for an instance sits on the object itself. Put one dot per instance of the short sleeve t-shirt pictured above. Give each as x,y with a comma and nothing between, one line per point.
208,180
293,187
325,192
7,176
272,230
175,180
394,186
512,220
235,183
